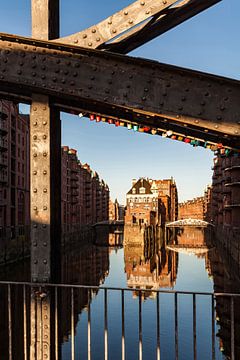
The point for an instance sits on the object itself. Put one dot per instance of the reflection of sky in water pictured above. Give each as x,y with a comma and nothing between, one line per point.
191,276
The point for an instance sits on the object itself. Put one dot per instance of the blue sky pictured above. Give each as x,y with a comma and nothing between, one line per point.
208,42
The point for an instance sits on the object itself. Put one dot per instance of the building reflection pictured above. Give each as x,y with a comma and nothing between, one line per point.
148,264
225,280
151,263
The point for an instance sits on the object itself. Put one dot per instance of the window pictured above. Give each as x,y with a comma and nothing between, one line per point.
142,190
134,191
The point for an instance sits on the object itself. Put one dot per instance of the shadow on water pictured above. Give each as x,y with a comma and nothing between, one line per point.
149,259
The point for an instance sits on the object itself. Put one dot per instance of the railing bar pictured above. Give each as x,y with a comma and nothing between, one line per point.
176,326
140,324
116,288
105,326
9,323
123,326
89,324
24,322
194,328
213,329
72,324
56,323
158,329
232,330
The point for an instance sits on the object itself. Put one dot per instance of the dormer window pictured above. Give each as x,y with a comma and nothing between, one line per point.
134,191
142,190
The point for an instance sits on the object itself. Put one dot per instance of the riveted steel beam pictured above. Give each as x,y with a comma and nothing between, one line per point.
45,190
45,144
40,320
145,32
118,23
120,84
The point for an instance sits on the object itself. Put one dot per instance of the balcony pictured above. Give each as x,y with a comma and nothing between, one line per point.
3,178
3,145
3,127
3,161
233,183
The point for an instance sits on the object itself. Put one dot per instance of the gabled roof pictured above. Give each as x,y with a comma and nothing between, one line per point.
139,184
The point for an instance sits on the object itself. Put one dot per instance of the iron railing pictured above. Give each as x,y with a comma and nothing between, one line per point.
31,325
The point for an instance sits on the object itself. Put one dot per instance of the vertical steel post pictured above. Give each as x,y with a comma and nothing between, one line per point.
45,164
45,193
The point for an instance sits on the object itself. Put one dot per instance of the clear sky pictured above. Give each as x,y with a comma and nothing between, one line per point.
208,42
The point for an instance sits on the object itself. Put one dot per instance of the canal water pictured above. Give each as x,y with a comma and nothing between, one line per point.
184,261
147,260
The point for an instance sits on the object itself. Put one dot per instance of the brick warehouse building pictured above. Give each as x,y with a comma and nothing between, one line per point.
84,196
151,202
14,172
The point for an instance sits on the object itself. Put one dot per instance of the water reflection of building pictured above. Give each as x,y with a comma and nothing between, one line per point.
88,266
224,281
148,264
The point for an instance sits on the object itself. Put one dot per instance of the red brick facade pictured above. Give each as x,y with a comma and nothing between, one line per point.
85,198
151,202
14,171
197,208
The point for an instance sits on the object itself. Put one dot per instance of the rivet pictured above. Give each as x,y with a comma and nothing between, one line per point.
109,22
34,243
44,123
143,98
35,261
45,208
35,123
146,90
89,44
75,41
44,244
44,137
44,172
183,98
235,132
93,31
44,226
35,155
35,137
219,117
114,31
35,108
45,261
84,36
196,121
44,190
98,39
35,208
142,3
19,72
44,154
34,190
125,12
35,226
216,126
34,172
222,108
147,12
130,21
203,103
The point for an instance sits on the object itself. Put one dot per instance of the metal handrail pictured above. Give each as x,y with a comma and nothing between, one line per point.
41,298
